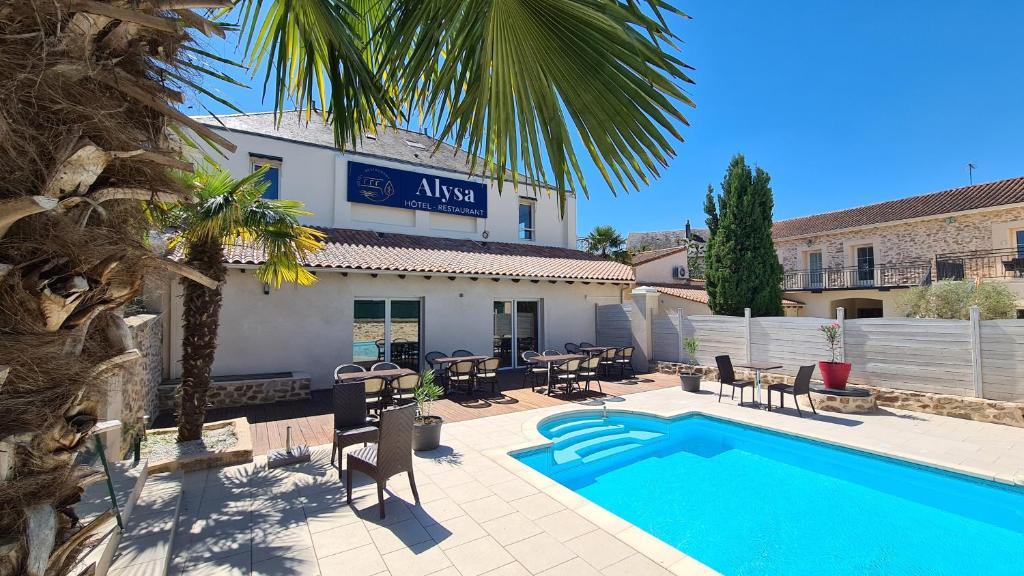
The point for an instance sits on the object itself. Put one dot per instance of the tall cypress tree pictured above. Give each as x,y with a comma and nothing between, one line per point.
743,269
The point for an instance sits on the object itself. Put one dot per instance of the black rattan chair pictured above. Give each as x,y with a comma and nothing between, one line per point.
533,372
461,353
486,372
351,426
392,454
571,348
624,360
385,366
403,388
801,385
566,374
347,369
586,344
462,373
726,375
588,373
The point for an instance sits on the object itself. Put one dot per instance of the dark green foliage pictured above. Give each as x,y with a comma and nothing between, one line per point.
743,270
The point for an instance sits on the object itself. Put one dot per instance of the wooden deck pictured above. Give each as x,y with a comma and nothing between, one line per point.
311,420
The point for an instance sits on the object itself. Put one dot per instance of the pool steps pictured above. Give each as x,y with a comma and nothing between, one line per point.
592,439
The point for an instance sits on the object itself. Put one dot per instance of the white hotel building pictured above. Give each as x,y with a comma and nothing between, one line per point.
401,273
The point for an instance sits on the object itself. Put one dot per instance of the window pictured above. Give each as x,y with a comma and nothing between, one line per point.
865,264
1018,236
1020,314
272,176
526,220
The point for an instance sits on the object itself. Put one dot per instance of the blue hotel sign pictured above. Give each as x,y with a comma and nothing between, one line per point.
381,186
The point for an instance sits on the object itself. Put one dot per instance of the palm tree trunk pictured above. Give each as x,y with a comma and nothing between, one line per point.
200,319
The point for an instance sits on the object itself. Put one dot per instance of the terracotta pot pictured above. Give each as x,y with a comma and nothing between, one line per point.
834,374
426,433
690,382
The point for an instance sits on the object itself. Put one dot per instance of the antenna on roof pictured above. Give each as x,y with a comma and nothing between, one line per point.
971,167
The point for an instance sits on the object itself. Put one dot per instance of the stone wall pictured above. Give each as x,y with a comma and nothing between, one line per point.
968,408
244,390
139,383
907,241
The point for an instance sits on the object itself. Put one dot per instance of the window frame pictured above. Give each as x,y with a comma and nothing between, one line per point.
257,161
527,233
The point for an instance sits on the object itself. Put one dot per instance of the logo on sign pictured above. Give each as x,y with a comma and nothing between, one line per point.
375,185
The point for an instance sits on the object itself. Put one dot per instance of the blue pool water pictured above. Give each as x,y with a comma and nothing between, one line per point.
747,501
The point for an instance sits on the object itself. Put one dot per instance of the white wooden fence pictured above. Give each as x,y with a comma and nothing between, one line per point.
962,357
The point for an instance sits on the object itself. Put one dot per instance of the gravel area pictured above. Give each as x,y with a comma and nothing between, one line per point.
163,447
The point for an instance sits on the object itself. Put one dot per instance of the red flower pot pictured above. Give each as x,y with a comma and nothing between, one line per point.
835,374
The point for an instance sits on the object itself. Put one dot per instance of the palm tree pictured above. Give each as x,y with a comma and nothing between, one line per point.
89,105
225,211
607,242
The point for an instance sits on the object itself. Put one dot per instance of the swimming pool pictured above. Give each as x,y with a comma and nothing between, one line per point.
747,501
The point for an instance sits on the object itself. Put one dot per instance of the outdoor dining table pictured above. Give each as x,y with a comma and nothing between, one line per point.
388,374
592,350
757,367
553,359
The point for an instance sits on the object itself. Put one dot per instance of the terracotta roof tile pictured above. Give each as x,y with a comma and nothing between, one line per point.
367,250
651,255
701,296
987,195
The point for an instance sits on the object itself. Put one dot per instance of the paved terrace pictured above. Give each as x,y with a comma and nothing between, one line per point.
312,420
482,512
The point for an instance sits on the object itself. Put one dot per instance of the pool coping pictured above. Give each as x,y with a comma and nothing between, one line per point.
657,550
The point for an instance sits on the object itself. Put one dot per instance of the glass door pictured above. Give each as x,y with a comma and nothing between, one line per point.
865,265
815,278
516,330
386,330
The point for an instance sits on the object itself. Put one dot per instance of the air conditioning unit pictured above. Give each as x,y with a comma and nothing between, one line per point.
679,272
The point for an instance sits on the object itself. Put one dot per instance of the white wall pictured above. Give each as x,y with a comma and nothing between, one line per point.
318,177
660,270
310,328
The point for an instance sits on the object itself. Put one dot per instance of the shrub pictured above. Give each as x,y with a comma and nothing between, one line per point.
953,300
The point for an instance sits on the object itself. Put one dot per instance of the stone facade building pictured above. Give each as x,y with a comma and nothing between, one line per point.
862,258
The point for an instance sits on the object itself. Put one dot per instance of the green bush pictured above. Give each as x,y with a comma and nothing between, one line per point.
953,300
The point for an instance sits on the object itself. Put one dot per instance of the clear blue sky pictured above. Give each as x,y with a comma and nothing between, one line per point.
844,103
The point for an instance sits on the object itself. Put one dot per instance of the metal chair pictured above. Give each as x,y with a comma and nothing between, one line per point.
624,360
431,356
571,348
380,348
461,353
486,372
374,394
392,454
403,388
726,375
347,369
551,352
533,371
385,366
801,385
566,373
462,373
588,373
351,426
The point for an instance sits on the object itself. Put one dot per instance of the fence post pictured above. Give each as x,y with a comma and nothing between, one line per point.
979,386
841,320
746,332
682,335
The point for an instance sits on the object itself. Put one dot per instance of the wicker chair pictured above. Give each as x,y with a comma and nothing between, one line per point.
588,373
624,360
460,353
566,374
385,366
403,388
486,372
380,348
801,385
606,363
551,352
533,371
462,373
347,369
375,393
726,375
586,344
351,426
392,454
571,348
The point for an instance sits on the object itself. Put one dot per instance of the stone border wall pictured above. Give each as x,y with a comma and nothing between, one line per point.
244,390
968,408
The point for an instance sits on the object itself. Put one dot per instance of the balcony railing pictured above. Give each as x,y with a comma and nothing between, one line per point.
880,276
997,263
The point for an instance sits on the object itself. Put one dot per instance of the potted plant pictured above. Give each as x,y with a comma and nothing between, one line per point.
426,432
833,374
691,380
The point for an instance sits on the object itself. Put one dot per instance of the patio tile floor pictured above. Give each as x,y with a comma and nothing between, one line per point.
482,515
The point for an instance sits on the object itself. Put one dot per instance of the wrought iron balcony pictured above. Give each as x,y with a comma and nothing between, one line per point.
997,263
883,276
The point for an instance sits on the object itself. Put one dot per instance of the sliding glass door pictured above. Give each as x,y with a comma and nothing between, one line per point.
516,330
387,329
